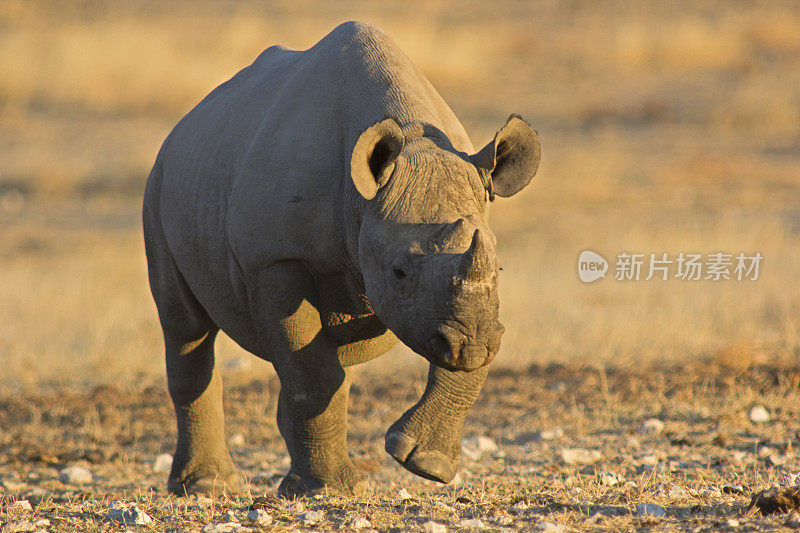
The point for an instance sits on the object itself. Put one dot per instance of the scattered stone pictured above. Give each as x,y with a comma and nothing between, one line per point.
472,523
503,520
202,501
649,509
758,415
650,458
732,523
230,516
236,440
519,508
311,517
441,506
733,489
790,480
776,500
75,475
670,491
793,520
550,527
259,516
403,495
474,447
578,456
651,426
12,485
610,479
222,527
539,436
22,505
128,514
24,526
434,527
359,522
163,463
711,492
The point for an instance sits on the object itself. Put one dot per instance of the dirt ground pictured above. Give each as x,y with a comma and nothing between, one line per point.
666,127
550,447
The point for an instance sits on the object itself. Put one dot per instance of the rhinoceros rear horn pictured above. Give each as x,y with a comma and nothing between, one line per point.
374,156
475,265
512,157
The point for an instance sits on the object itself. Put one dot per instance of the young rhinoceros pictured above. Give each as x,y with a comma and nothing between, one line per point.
318,207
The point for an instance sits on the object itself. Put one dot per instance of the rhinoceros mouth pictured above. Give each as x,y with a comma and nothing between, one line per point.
452,350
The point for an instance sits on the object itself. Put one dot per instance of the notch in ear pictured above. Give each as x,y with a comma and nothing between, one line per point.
512,157
374,156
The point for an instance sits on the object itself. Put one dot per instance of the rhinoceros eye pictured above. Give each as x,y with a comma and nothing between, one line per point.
399,273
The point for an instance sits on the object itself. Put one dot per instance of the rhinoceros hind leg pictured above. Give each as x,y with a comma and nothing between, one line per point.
426,440
202,463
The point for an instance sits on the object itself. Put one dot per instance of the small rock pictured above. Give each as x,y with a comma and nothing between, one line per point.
732,523
758,415
649,509
711,492
651,426
404,495
75,475
359,522
578,456
259,516
22,505
550,527
236,440
793,520
443,507
519,508
163,463
472,523
503,520
610,479
474,447
128,514
222,527
202,501
26,526
670,491
12,485
311,517
434,527
539,436
230,516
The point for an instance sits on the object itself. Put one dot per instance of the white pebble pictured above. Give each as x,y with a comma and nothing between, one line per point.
236,440
474,447
359,522
649,509
732,522
75,475
22,505
311,517
472,523
610,479
259,516
404,495
578,456
758,415
128,514
651,426
223,527
434,527
163,463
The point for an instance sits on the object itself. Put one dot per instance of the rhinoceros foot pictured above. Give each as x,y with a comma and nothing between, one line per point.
206,481
429,455
347,481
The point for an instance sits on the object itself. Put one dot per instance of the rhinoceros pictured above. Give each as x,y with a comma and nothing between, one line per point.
318,207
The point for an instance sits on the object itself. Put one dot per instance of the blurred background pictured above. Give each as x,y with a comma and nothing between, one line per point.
666,127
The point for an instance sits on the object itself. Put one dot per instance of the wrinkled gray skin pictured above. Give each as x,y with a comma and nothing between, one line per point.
316,208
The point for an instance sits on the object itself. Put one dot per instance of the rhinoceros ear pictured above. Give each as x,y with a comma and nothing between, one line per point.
374,155
511,158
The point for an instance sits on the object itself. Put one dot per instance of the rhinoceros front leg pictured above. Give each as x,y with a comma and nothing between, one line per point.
312,405
427,438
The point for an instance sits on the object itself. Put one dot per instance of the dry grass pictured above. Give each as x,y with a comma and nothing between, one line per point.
666,128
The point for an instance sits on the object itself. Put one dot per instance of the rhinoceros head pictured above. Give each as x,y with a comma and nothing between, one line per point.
425,250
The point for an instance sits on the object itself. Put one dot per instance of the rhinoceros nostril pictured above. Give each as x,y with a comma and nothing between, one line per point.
446,346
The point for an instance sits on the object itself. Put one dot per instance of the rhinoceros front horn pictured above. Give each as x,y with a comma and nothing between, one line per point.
475,264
